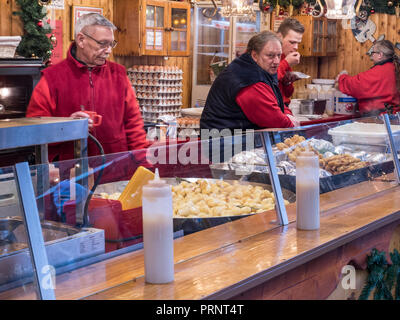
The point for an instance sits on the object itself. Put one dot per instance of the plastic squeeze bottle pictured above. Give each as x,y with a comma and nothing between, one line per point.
307,191
158,241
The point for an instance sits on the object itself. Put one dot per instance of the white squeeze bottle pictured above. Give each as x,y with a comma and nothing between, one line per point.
158,240
307,191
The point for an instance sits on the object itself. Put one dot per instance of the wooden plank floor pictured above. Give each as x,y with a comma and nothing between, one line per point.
212,263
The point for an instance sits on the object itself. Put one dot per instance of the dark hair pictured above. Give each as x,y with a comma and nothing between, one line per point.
387,48
290,24
257,42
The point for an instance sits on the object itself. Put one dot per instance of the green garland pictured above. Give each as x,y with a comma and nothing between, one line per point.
34,42
378,6
382,276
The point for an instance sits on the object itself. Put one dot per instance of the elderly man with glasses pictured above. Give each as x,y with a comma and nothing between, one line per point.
86,81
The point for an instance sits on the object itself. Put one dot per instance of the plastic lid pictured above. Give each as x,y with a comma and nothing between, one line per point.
156,182
307,154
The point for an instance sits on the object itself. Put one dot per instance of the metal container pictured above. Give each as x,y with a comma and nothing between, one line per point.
307,106
64,245
190,225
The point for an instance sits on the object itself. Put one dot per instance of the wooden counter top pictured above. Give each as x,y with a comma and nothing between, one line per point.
221,262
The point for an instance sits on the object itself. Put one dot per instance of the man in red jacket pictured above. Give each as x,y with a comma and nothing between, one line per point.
85,80
378,85
291,32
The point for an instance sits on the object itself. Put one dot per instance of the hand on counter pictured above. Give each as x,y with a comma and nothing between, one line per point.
295,122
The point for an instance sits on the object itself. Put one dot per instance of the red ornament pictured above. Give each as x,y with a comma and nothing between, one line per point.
40,23
281,12
372,10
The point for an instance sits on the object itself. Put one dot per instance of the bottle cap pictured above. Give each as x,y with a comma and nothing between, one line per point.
307,153
157,182
157,188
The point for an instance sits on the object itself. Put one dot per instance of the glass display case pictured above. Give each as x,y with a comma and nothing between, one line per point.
217,41
219,180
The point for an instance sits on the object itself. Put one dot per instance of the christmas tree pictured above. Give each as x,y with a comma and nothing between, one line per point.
34,42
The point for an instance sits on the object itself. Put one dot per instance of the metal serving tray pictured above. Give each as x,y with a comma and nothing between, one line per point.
190,225
327,184
64,245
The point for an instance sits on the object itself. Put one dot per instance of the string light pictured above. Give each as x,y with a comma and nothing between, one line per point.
237,8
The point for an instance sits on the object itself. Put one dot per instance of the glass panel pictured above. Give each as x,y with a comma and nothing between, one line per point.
182,36
159,17
349,154
159,43
179,18
212,46
315,44
92,215
246,27
174,40
150,39
321,34
150,16
315,35
16,271
331,43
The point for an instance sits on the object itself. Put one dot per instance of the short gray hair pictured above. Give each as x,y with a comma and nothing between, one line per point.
92,19
257,42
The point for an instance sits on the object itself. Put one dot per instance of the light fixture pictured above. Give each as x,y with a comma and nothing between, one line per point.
340,9
4,92
238,8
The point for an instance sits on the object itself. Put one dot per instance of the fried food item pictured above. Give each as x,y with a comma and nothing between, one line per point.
296,152
215,199
290,142
342,163
205,199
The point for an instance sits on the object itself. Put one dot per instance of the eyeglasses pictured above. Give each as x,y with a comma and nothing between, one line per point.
372,52
272,56
103,44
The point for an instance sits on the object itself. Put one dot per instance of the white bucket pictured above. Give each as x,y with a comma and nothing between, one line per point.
344,104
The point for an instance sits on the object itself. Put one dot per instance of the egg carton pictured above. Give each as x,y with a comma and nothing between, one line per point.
158,89
154,69
156,83
156,76
149,96
160,108
153,117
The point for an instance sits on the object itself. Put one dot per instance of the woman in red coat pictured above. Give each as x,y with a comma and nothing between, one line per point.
377,86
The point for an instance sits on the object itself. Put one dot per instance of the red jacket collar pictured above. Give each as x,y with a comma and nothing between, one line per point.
79,64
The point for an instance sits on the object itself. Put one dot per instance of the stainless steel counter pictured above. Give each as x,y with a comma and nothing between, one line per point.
22,132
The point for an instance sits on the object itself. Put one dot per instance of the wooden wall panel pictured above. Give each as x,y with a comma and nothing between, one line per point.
65,16
11,25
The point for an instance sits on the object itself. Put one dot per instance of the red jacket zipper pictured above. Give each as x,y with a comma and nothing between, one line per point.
91,91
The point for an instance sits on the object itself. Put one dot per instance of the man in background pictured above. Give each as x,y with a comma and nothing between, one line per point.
291,33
